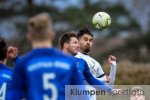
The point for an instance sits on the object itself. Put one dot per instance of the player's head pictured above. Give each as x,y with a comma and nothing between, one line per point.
85,38
137,93
40,28
69,43
3,49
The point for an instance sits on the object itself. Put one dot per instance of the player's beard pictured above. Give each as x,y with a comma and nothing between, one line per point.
86,49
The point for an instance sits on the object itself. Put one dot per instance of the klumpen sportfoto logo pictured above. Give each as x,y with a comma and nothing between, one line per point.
90,91
75,91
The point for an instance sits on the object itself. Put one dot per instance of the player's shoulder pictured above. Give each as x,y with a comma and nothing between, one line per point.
80,55
4,67
9,69
23,57
92,59
57,54
68,58
5,71
80,60
61,55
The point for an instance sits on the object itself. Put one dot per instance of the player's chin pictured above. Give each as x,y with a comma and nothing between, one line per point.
87,50
74,52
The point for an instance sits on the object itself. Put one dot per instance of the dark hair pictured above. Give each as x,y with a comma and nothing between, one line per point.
65,38
3,49
83,31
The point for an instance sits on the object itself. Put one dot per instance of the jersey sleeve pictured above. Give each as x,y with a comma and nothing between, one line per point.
18,81
112,75
75,76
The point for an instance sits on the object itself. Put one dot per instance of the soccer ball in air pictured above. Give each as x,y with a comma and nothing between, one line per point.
101,20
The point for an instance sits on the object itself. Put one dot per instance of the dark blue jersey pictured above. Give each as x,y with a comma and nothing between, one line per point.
42,74
86,75
5,79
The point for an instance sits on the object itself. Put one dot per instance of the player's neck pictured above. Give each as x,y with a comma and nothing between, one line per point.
66,51
84,52
43,44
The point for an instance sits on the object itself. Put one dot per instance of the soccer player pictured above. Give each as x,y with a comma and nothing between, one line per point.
5,72
69,45
42,73
85,38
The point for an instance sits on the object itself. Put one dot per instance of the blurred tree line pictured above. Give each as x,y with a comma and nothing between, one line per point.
136,43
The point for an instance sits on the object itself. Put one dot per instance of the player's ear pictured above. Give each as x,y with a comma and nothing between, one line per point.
65,45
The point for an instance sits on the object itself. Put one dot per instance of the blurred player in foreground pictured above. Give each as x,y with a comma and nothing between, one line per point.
85,38
42,73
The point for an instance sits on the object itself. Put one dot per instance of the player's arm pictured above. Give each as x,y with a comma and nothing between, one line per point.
18,81
97,83
94,81
113,67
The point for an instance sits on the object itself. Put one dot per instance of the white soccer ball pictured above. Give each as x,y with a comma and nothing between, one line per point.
101,20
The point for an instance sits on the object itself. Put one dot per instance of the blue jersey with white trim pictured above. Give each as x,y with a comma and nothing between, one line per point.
5,79
42,75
